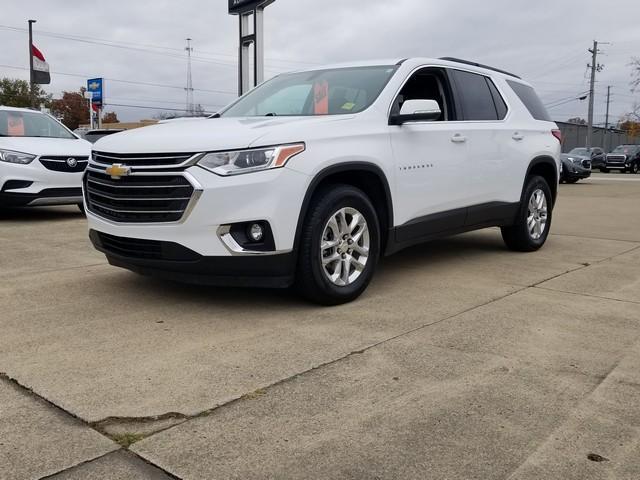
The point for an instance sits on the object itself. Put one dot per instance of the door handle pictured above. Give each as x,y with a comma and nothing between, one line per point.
517,136
458,138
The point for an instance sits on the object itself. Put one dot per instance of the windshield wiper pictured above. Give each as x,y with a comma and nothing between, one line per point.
271,114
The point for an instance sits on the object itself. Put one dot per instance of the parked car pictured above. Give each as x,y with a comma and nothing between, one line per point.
625,158
576,165
309,178
96,134
41,160
598,157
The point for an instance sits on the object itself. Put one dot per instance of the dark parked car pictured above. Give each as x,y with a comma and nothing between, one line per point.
625,158
576,165
94,135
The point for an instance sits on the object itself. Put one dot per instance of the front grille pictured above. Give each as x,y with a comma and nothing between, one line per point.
141,159
586,163
60,163
142,249
138,198
616,158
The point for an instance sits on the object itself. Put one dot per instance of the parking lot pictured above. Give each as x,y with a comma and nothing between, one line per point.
462,360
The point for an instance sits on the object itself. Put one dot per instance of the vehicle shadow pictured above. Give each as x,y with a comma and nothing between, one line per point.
40,214
390,271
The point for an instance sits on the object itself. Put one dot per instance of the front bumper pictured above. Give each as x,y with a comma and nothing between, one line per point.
274,196
171,261
49,196
45,187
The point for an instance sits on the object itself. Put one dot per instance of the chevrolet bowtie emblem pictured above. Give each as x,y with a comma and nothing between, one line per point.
117,170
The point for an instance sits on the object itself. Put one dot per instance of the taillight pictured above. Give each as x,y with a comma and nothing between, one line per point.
557,134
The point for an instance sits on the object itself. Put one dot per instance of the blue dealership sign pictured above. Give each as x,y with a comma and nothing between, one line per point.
94,86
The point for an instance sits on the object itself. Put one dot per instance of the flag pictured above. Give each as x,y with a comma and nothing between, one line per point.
40,67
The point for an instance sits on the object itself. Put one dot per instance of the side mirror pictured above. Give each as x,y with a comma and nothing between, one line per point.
416,111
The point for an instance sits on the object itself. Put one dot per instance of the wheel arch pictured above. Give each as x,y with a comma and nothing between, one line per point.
366,176
546,167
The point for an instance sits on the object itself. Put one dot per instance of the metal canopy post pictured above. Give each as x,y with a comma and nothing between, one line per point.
251,26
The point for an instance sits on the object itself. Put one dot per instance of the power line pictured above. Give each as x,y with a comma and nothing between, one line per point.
132,82
149,48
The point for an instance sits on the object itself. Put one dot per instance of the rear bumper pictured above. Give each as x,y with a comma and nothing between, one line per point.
172,261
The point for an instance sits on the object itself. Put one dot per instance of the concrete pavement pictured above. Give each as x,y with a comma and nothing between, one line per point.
462,360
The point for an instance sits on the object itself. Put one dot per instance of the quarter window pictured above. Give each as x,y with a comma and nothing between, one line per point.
531,100
476,97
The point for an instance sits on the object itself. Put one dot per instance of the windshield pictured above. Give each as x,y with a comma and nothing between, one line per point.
15,123
625,149
321,92
580,151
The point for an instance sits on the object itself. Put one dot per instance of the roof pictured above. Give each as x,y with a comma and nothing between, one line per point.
444,61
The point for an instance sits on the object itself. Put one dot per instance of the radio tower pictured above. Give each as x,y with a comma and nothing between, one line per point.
190,108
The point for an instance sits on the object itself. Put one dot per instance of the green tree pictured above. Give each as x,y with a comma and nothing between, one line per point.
72,108
15,93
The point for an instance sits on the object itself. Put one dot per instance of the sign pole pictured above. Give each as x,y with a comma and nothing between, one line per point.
32,90
247,10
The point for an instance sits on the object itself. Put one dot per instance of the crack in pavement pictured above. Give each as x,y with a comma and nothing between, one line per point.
29,391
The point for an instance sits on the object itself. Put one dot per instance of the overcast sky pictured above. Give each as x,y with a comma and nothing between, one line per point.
544,41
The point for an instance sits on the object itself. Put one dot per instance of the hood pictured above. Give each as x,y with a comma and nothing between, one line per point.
570,157
213,134
47,146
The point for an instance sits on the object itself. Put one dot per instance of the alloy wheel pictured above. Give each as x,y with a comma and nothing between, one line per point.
537,214
344,248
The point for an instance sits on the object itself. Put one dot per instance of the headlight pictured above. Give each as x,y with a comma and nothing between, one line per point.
16,157
253,160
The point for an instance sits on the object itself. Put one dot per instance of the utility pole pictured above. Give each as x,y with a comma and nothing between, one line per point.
32,90
606,122
595,67
189,89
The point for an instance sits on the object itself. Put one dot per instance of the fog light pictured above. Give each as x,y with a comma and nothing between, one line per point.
256,232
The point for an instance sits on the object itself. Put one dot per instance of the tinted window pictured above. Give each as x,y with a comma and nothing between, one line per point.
501,107
427,84
530,99
475,96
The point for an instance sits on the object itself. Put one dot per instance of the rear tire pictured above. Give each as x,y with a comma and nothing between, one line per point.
533,219
339,246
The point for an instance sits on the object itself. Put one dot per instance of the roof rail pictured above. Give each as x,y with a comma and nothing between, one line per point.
467,62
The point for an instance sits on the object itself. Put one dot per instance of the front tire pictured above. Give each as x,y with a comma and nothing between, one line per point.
604,170
339,246
634,168
533,220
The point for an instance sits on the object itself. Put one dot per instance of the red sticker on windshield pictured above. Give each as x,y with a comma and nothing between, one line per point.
15,125
321,98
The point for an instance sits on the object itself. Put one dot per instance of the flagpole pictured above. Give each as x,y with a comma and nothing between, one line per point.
31,79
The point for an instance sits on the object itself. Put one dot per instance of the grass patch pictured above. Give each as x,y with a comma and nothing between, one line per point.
127,439
256,394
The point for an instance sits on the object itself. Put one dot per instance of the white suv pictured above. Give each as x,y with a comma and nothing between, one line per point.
41,161
309,178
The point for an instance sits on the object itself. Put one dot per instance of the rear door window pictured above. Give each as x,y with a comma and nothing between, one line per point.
530,98
476,96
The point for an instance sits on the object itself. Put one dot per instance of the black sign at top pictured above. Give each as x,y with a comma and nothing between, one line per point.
243,6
